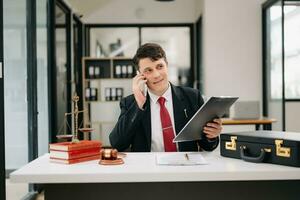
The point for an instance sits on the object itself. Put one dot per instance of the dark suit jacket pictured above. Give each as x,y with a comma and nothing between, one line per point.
133,128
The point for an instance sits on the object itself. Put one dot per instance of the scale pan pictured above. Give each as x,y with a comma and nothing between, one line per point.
68,136
86,129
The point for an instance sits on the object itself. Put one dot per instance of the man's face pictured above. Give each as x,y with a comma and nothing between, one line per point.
156,73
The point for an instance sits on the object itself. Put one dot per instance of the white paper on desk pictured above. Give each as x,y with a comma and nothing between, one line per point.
180,158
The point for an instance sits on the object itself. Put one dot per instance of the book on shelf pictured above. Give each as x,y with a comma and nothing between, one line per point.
124,71
87,94
75,153
94,94
107,94
113,94
75,160
118,71
70,146
97,72
91,71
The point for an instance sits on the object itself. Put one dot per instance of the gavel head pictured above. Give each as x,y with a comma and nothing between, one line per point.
108,154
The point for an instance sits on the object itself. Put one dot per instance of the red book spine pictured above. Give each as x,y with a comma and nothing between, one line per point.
83,146
76,160
69,146
75,153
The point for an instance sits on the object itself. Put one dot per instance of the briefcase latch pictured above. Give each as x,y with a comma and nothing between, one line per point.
232,144
282,151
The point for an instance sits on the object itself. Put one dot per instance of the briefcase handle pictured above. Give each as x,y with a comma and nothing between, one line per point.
257,159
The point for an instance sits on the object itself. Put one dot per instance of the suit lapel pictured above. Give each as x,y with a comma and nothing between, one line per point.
146,121
178,107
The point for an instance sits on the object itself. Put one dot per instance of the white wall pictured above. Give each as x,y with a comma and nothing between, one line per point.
136,11
232,50
198,8
232,53
292,116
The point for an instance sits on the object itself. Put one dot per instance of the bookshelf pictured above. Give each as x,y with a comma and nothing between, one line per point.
105,82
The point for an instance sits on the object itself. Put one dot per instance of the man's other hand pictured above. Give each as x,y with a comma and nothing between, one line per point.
213,129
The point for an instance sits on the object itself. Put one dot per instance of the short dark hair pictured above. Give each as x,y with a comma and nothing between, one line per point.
149,50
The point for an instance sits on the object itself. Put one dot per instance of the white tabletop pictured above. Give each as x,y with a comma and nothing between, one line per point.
142,167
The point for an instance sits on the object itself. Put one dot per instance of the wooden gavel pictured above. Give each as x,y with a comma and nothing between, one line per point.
108,154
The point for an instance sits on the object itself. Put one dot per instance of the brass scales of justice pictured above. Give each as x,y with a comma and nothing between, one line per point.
75,112
107,156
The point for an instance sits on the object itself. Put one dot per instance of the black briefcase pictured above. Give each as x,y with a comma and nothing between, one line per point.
281,148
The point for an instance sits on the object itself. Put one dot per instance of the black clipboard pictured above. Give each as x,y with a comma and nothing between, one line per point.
215,107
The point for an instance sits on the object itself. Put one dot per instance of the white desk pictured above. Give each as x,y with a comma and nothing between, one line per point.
141,174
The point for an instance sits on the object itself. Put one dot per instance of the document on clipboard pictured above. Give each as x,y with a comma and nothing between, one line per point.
215,107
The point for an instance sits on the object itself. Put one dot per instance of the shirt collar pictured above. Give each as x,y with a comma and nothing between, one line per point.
167,95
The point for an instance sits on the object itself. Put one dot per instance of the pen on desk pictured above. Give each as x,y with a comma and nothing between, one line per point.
186,156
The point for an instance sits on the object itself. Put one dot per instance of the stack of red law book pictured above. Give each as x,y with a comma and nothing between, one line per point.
69,153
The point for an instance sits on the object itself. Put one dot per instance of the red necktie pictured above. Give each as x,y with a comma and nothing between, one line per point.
167,128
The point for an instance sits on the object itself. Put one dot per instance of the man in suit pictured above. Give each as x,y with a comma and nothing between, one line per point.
150,119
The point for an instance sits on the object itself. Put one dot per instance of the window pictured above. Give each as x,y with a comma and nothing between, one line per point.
292,51
105,41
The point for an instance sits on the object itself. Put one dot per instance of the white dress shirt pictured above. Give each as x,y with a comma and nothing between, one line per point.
157,141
